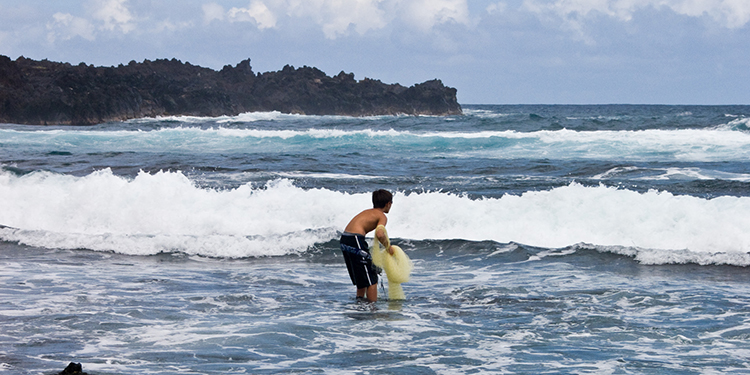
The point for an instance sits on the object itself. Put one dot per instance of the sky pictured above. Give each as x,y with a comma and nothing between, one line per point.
492,52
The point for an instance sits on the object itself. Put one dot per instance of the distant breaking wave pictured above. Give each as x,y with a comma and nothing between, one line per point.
704,145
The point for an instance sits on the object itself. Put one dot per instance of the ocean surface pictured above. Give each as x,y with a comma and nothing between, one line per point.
604,239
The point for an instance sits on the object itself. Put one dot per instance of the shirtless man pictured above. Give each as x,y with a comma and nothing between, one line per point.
354,247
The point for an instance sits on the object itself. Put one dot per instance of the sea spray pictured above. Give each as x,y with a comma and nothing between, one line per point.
575,213
166,212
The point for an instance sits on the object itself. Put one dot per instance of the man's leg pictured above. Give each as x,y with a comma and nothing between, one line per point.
372,293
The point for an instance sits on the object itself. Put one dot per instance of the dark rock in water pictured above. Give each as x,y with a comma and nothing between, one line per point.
73,368
45,92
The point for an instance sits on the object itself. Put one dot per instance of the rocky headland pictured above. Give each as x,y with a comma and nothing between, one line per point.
45,92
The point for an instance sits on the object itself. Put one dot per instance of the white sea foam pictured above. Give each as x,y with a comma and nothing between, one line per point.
484,113
326,175
163,212
246,117
738,123
167,212
692,173
243,117
718,144
700,174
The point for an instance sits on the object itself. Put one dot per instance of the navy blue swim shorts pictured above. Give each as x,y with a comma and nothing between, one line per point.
358,261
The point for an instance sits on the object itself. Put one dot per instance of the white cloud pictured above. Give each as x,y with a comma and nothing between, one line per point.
169,25
212,12
114,14
335,17
496,7
737,12
257,12
338,17
426,14
730,13
622,9
109,15
65,26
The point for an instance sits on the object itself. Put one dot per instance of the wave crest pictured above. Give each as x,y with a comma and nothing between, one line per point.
166,211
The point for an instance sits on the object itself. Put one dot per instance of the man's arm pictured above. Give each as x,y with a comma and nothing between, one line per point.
382,237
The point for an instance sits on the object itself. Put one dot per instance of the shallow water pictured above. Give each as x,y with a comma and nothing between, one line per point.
471,308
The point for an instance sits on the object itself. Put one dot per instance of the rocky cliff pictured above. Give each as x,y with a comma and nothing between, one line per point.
45,92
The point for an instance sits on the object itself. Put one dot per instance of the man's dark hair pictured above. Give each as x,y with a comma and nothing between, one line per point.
380,198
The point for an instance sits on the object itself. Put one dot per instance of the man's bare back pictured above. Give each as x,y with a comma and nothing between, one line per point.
367,220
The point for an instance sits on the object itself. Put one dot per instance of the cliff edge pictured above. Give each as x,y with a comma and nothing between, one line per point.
45,92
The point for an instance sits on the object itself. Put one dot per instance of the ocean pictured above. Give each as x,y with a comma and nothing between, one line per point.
582,239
